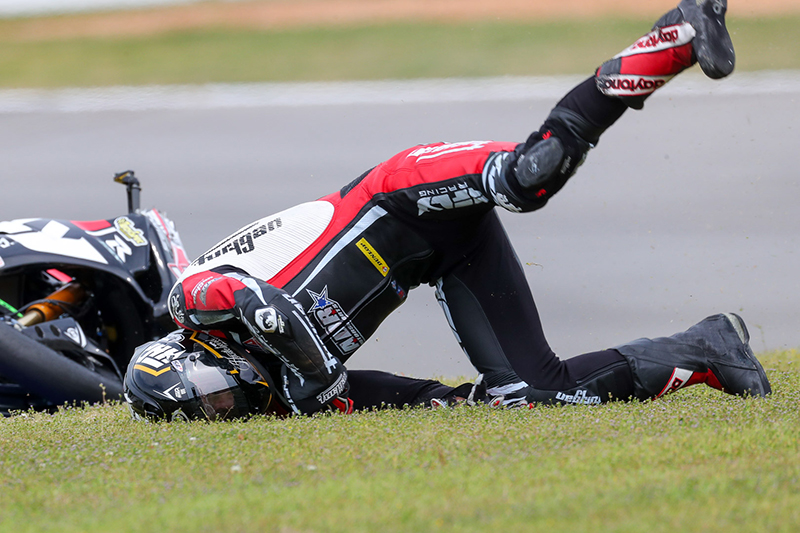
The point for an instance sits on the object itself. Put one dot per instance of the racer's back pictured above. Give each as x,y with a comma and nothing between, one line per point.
351,257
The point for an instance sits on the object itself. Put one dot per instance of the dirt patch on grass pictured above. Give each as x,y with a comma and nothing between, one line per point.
275,14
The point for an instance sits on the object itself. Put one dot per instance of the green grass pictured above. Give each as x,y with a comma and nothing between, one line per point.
697,460
395,51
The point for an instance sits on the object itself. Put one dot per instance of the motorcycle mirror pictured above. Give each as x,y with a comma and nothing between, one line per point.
133,187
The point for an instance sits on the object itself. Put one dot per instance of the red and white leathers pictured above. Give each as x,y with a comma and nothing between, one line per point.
310,284
338,266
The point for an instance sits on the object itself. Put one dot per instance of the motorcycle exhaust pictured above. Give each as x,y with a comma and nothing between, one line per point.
71,294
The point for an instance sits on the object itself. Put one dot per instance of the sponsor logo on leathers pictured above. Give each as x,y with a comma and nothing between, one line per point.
429,152
580,397
201,289
240,243
334,390
661,39
270,321
449,197
175,306
330,315
678,379
373,256
491,172
630,85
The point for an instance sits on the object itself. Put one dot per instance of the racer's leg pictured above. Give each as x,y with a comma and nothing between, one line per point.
489,305
229,301
372,389
694,32
491,310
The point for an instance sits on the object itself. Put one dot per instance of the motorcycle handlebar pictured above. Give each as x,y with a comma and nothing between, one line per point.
133,187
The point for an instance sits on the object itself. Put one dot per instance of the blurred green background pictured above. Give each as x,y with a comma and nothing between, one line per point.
382,51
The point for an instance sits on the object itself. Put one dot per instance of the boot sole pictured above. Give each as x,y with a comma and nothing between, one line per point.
713,46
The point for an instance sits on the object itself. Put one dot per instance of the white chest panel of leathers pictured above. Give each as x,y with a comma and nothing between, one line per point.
265,247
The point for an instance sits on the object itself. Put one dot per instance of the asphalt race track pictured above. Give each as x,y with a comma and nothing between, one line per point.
685,209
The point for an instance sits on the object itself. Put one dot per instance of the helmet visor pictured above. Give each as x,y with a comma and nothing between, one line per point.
219,395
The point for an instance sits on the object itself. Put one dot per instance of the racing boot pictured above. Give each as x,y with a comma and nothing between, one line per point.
715,351
693,32
712,44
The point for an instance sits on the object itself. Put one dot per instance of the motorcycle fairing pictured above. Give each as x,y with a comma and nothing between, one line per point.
67,335
171,244
115,243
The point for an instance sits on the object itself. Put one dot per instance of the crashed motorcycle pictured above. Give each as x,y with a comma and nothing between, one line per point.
77,298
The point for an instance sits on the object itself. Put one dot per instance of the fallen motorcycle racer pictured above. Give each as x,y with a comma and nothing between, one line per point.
310,284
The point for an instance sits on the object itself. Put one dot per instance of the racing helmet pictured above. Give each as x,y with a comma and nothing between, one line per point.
189,375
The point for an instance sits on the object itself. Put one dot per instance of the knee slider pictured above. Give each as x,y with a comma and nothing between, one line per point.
549,158
539,164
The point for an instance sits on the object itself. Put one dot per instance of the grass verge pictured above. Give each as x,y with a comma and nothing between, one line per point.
697,460
394,51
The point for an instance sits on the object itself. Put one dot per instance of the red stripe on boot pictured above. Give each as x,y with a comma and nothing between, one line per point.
662,63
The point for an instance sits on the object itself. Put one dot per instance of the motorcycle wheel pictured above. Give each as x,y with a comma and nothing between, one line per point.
51,375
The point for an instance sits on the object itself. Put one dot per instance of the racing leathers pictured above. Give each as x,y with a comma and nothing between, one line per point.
312,283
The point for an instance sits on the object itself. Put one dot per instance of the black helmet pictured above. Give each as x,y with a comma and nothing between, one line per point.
190,375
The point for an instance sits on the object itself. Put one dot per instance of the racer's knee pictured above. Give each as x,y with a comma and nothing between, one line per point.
527,178
552,155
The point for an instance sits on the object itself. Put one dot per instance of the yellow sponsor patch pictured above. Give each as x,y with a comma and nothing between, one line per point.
373,256
128,229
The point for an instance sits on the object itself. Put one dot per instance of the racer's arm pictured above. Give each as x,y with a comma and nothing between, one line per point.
226,299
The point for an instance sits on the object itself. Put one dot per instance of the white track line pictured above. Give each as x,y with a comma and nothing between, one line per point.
256,95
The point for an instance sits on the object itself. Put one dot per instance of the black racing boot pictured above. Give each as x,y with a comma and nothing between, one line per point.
712,45
714,351
693,32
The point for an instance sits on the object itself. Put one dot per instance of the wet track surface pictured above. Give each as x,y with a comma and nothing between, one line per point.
685,209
